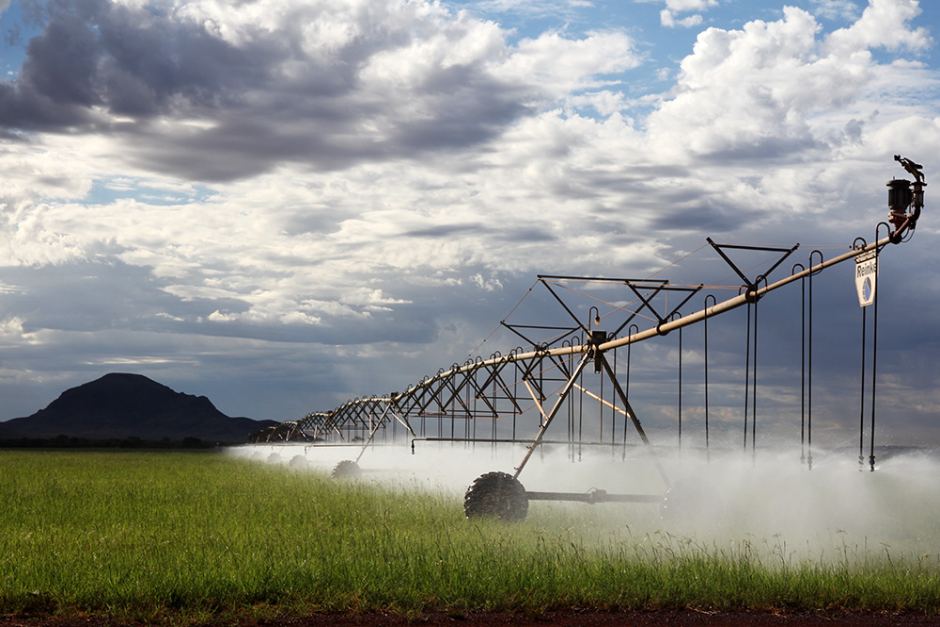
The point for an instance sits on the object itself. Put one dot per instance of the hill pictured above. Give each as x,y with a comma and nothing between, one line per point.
122,405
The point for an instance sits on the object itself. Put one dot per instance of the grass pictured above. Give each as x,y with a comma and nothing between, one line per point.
145,536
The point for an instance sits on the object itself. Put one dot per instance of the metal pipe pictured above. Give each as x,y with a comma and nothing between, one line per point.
594,496
601,400
497,440
737,301
659,329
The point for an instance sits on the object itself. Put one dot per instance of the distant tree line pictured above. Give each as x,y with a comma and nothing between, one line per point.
64,441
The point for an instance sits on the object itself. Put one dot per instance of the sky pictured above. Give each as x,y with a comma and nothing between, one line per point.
282,204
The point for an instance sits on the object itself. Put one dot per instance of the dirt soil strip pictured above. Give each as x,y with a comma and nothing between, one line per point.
567,618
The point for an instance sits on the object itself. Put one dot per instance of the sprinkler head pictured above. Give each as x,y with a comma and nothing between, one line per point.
900,198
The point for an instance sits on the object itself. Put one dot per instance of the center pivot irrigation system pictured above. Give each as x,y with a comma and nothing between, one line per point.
491,400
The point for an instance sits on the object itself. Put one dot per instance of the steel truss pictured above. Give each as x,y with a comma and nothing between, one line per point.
482,400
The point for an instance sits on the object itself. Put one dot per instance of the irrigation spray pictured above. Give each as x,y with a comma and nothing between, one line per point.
556,420
724,502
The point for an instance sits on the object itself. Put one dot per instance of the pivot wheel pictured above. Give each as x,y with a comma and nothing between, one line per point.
346,469
496,495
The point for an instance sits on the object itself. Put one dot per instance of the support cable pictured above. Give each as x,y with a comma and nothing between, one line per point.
476,350
680,260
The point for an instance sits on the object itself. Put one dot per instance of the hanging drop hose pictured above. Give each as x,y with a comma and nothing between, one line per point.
633,328
680,381
754,391
760,278
580,412
793,270
713,301
515,394
809,367
570,422
874,348
861,396
600,414
861,243
613,412
747,370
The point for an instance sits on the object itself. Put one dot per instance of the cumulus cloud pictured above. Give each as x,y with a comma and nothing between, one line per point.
668,17
767,89
836,9
526,7
884,24
560,65
690,5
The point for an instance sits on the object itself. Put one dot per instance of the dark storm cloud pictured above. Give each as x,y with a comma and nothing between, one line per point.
96,297
526,235
639,182
290,371
765,149
699,218
91,296
446,230
459,95
268,99
129,62
515,234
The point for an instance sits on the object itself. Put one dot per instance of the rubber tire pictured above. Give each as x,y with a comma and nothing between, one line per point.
496,495
346,469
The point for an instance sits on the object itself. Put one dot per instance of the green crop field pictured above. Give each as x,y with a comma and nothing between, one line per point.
146,536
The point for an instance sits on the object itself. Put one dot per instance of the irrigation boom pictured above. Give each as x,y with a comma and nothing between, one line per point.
518,383
657,330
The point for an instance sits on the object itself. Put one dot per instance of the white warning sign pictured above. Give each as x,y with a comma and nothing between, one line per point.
866,275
